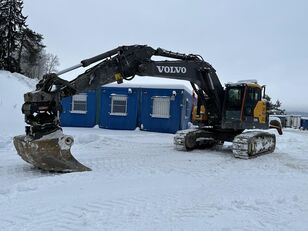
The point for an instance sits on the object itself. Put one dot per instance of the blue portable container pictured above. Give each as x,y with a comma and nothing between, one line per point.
165,110
118,108
158,109
126,107
79,110
304,123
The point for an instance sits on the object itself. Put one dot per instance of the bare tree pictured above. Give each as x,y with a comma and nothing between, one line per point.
52,62
45,63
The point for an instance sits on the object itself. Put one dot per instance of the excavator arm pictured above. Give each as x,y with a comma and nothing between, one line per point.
46,147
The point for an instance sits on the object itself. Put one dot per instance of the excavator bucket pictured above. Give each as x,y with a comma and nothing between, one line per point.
49,153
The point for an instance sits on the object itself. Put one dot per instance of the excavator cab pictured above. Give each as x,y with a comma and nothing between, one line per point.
244,106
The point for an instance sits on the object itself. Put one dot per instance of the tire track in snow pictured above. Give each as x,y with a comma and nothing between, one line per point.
153,162
166,209
29,219
118,212
42,219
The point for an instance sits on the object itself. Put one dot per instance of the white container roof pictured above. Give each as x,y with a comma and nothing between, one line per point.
158,83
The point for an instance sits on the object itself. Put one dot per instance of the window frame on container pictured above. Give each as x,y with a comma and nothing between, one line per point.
118,97
158,111
79,99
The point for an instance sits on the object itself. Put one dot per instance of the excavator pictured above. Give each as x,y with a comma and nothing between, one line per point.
235,113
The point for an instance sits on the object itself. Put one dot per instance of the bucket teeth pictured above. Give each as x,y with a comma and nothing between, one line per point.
49,153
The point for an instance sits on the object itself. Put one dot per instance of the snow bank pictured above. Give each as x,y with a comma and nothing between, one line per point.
12,88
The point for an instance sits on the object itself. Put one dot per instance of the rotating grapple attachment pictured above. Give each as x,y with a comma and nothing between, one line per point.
44,145
50,152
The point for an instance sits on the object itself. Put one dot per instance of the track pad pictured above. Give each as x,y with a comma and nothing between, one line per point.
50,152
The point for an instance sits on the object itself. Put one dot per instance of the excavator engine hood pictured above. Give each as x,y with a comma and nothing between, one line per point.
50,152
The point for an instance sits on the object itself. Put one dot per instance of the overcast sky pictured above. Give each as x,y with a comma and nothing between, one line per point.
242,39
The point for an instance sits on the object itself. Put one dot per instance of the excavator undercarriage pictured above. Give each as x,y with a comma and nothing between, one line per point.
246,145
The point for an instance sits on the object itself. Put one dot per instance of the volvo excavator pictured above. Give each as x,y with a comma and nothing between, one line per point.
220,114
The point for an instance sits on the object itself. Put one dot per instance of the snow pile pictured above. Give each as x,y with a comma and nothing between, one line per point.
12,88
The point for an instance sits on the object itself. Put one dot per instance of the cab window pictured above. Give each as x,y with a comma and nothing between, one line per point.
254,95
234,97
233,103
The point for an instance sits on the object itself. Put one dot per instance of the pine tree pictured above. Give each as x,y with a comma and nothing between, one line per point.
275,108
12,22
30,52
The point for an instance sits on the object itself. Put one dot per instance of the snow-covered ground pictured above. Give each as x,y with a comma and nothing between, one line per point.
139,182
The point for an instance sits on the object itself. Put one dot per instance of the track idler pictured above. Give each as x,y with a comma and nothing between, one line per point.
51,152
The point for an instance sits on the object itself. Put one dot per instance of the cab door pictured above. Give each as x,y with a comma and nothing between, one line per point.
232,107
254,108
253,96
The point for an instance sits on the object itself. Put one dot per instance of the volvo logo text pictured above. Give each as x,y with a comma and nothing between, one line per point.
171,69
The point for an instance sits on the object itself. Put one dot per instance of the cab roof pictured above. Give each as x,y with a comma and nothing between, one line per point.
250,83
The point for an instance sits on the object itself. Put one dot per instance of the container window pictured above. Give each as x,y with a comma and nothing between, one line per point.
161,107
79,103
119,105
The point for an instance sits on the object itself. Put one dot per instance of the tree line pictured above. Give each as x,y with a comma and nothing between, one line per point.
22,49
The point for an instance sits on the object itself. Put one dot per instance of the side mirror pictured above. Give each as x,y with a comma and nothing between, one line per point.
263,91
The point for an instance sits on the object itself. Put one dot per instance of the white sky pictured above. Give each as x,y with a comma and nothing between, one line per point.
242,39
